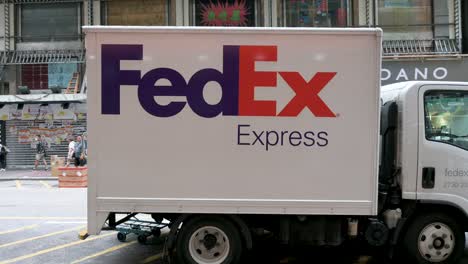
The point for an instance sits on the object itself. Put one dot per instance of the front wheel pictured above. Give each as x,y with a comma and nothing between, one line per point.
209,239
435,238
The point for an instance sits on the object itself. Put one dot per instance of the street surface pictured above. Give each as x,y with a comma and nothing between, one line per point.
40,223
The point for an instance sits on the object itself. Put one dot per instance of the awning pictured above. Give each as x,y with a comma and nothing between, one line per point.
41,56
42,98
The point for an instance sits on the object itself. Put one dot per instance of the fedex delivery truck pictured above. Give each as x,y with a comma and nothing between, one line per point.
227,131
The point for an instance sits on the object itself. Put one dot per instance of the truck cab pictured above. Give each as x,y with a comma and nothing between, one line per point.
427,156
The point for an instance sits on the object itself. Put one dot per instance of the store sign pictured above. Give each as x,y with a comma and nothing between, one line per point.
225,14
440,70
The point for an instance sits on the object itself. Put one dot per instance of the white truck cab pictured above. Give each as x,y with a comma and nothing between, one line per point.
432,140
431,162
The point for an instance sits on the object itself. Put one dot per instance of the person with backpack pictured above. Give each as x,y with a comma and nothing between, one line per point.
40,152
80,150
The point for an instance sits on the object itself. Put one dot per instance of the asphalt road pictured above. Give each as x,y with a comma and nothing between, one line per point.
40,223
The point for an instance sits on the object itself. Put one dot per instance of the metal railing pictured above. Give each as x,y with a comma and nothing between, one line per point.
42,56
420,47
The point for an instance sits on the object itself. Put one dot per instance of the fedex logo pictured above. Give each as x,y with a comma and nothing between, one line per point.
238,81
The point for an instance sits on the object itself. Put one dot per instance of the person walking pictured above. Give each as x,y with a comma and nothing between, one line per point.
71,151
79,152
3,153
40,152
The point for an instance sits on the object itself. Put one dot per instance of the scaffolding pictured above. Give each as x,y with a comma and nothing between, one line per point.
6,12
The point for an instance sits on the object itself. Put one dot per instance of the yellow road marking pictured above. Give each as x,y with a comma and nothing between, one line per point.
39,237
54,248
104,252
18,229
18,184
151,259
40,218
45,184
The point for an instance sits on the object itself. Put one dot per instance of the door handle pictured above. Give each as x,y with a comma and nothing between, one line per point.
428,178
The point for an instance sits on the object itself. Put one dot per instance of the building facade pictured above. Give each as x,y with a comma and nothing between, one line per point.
42,43
41,55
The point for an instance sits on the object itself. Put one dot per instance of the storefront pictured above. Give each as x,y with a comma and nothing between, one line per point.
56,117
239,13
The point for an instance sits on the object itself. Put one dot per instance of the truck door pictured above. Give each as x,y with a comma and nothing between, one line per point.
443,144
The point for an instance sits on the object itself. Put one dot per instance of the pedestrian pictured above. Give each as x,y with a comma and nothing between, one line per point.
79,152
85,149
40,152
71,151
3,153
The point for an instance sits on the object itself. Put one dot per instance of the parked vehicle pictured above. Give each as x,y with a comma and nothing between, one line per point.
222,131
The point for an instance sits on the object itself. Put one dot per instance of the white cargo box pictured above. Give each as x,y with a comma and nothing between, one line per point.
287,122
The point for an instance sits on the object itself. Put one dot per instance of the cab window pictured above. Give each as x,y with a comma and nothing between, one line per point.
446,115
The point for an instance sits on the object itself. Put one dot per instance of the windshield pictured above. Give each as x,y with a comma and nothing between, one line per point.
446,115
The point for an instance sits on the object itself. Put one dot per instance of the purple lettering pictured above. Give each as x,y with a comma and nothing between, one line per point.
113,77
147,90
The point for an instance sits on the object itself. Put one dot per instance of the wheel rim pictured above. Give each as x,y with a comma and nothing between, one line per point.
209,244
436,242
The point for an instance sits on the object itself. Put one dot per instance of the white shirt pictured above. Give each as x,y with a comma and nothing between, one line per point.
71,149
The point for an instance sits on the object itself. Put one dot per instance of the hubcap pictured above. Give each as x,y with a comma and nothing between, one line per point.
436,242
209,244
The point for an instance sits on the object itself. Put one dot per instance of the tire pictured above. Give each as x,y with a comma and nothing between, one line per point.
121,237
142,239
208,239
156,232
435,238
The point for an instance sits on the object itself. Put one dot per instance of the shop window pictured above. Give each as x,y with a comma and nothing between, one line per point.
35,76
45,76
50,22
238,13
137,12
60,74
416,19
447,117
314,13
410,19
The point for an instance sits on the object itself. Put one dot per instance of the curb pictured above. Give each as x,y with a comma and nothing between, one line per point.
28,178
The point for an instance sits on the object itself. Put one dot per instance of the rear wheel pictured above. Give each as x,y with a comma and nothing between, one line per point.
435,238
142,239
121,237
209,240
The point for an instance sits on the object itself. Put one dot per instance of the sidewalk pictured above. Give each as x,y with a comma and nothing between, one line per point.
26,174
